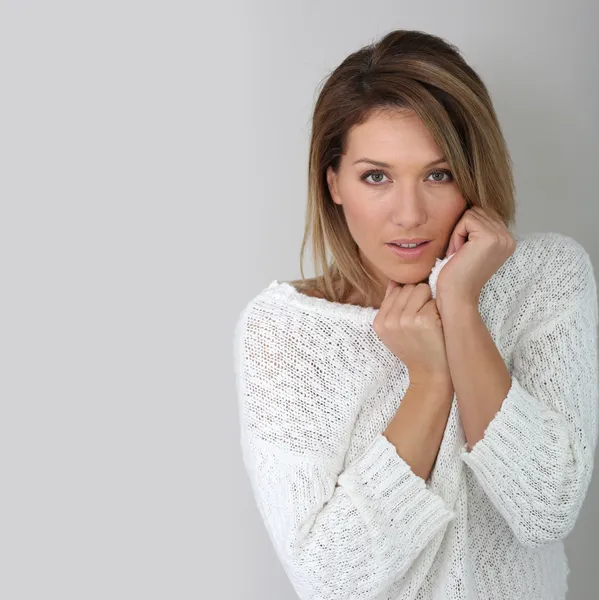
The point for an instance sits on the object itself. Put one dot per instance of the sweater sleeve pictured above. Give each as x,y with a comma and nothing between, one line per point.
535,459
339,531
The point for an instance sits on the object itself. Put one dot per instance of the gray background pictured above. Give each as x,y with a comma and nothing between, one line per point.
153,162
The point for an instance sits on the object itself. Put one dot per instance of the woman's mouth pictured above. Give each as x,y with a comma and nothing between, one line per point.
408,252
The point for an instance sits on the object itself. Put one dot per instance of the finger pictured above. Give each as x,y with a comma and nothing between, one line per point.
392,288
490,218
497,225
458,237
430,308
469,223
450,249
420,295
397,300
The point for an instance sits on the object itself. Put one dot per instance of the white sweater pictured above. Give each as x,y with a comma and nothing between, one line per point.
347,516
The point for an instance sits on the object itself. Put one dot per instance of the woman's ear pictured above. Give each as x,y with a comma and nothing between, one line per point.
332,183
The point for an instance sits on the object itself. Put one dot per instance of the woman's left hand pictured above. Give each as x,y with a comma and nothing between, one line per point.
481,243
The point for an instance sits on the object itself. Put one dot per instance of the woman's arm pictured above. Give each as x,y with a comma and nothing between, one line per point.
535,456
339,532
418,426
480,376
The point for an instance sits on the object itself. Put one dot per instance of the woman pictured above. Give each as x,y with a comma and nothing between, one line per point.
419,423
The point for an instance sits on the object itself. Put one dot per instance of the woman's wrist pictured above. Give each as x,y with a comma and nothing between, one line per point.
433,382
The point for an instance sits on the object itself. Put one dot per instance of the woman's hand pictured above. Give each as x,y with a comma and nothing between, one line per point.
409,325
481,243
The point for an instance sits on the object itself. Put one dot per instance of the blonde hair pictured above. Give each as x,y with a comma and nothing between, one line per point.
404,70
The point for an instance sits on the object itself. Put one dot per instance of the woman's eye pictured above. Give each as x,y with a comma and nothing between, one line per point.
375,174
442,172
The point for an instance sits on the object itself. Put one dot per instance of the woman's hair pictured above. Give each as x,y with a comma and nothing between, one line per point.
403,70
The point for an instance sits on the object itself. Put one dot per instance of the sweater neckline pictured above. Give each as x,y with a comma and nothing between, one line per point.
360,314
355,312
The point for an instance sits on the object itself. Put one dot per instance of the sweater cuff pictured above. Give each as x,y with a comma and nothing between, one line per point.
383,479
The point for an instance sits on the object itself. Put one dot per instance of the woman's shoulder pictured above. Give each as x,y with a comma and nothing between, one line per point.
550,247
284,324
549,261
547,274
281,296
299,310
274,309
309,287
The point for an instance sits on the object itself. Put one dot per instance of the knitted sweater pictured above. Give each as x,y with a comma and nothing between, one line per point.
347,516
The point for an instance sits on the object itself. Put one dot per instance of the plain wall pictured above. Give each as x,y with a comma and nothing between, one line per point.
153,165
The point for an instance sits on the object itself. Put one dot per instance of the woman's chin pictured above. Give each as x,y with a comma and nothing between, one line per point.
407,279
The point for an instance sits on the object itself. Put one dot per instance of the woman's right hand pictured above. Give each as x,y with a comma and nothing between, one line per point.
409,324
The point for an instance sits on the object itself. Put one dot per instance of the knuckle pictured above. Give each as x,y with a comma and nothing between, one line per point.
405,321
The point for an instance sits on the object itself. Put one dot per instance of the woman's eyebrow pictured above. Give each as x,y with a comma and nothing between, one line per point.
378,163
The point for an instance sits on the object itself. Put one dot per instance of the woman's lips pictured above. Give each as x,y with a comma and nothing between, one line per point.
408,252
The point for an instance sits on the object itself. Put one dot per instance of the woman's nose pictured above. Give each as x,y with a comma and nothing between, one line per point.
408,210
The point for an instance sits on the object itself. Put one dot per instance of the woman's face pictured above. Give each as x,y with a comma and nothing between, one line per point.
408,197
